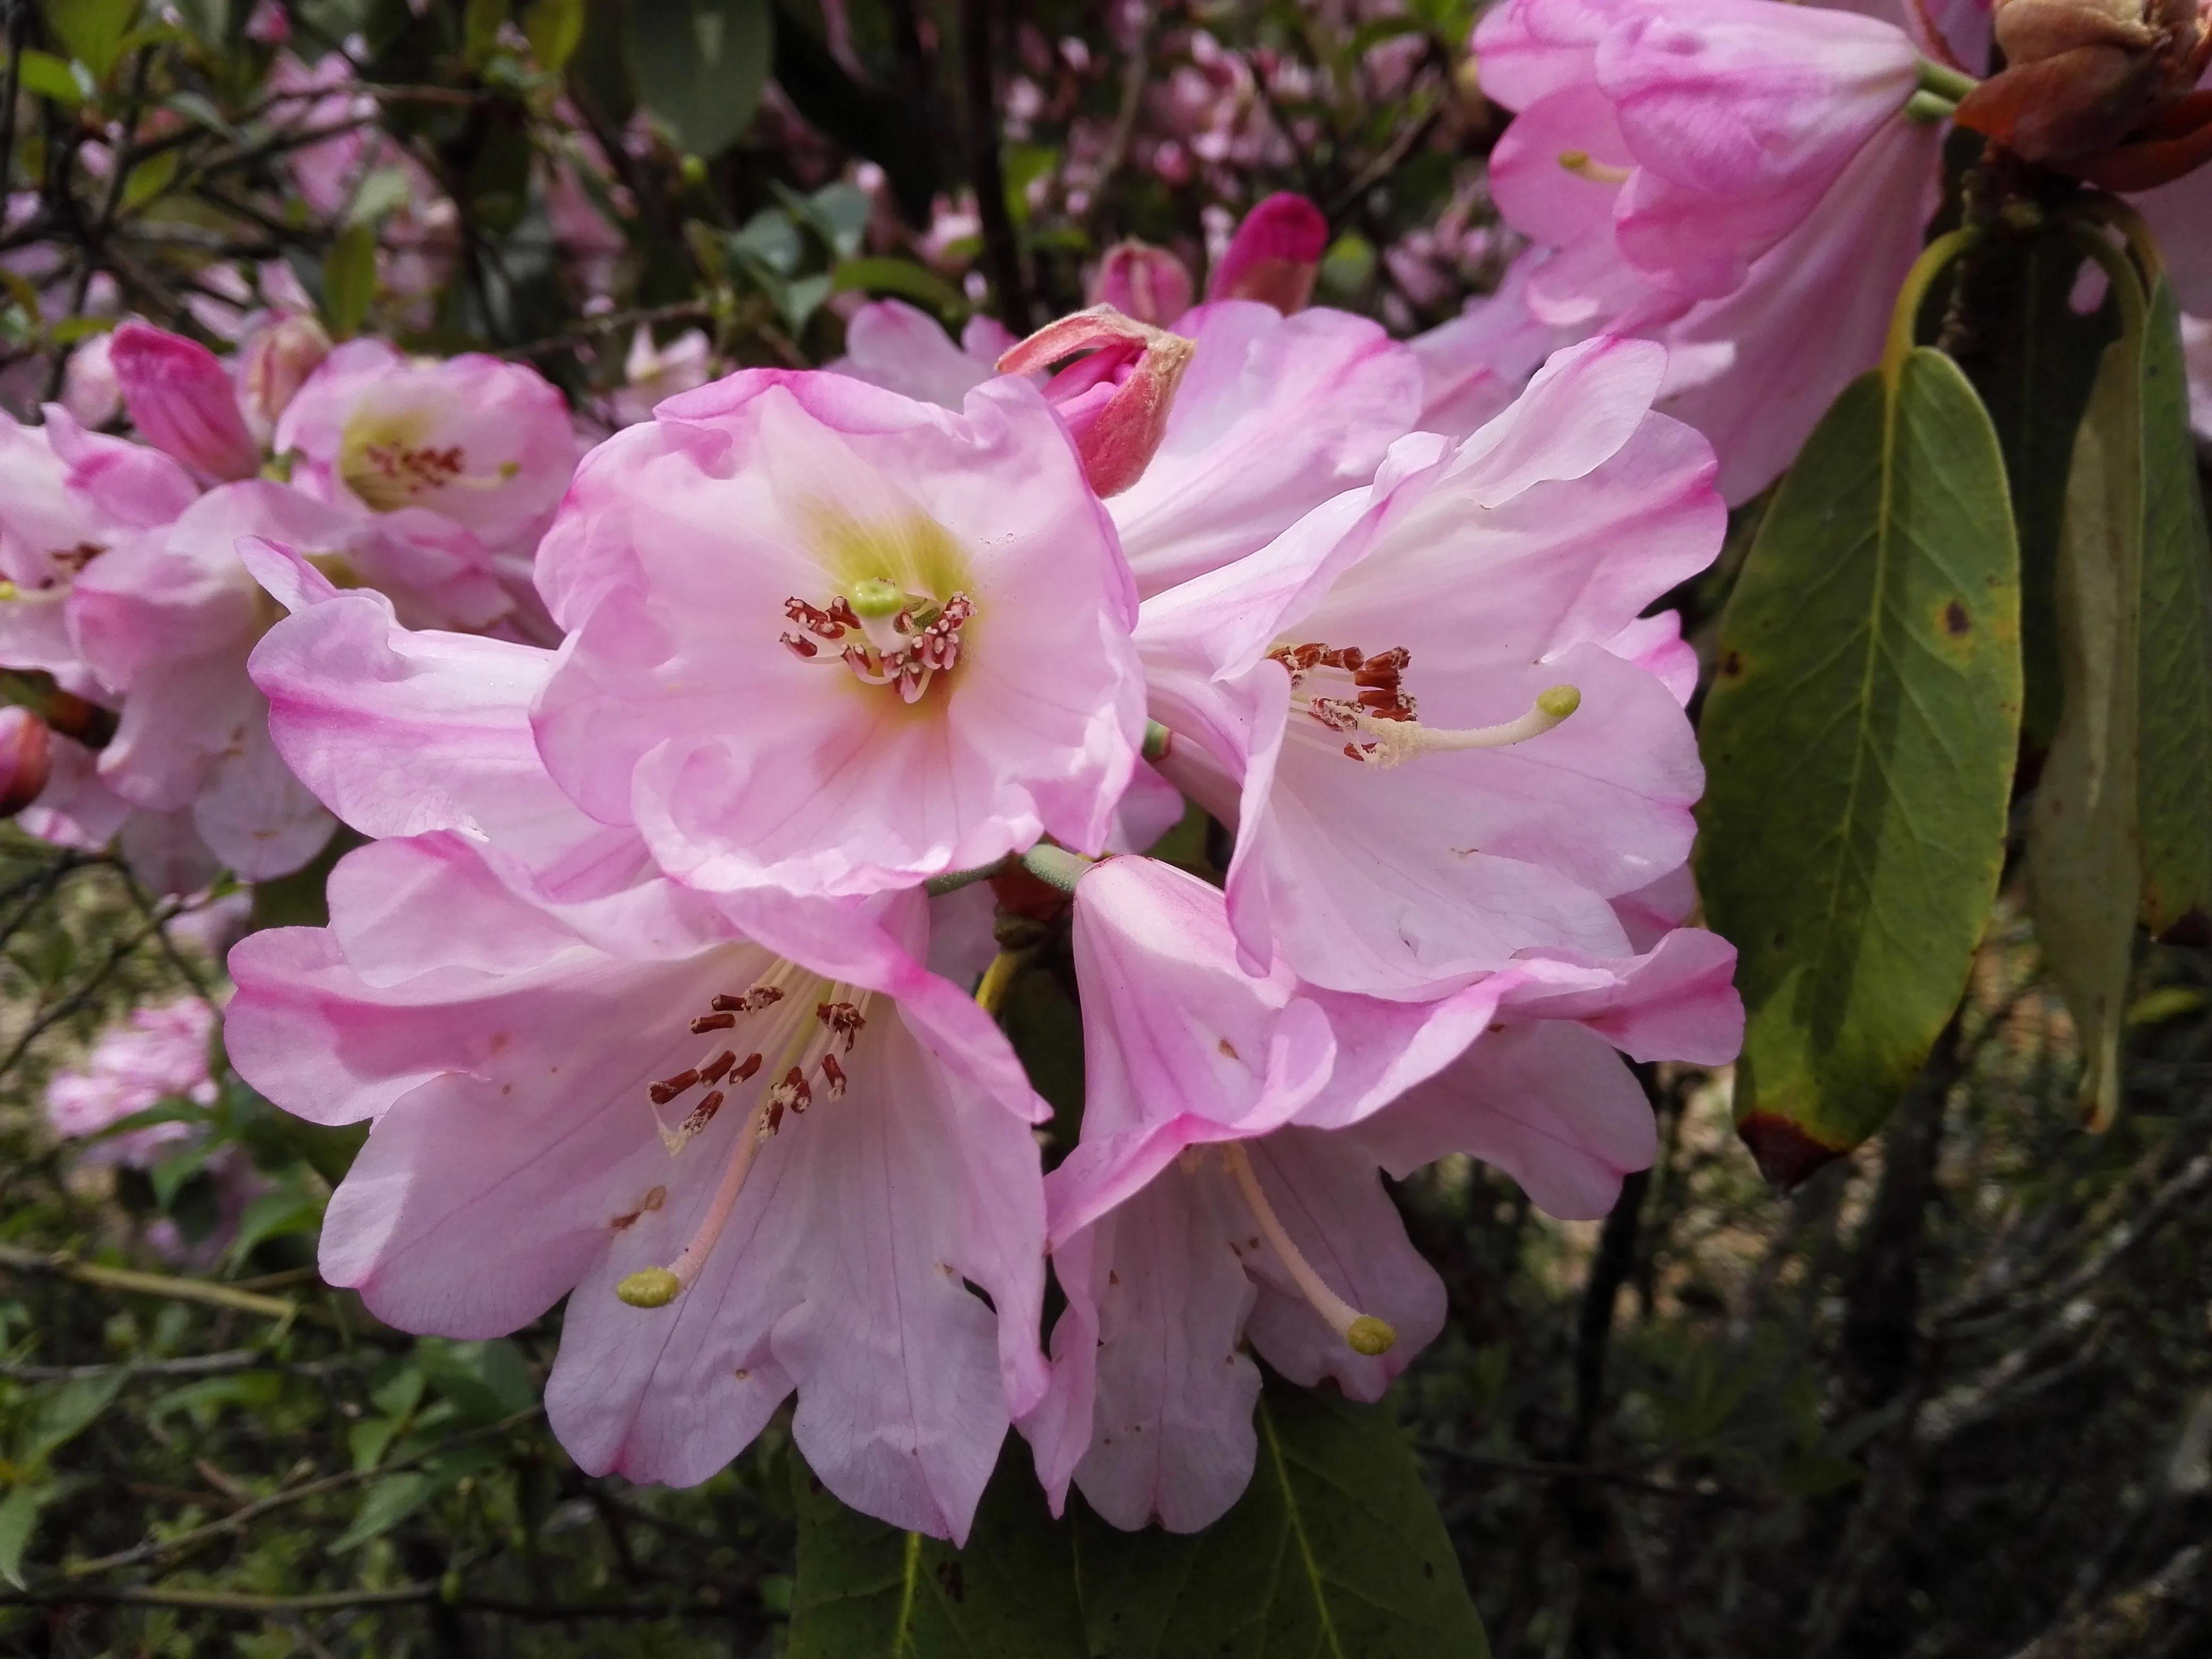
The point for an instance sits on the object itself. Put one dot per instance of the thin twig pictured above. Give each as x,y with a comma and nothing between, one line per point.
62,1265
160,1547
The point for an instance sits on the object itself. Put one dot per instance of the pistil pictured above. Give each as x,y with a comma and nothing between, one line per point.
1362,1334
1578,162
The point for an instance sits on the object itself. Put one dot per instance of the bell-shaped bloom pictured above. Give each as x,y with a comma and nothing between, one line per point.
1140,280
165,620
67,494
828,639
1226,1189
890,344
181,399
1273,415
1739,179
755,1161
1419,707
469,443
1692,136
1473,367
1274,256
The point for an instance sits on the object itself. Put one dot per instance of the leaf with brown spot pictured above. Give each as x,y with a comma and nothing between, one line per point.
1860,766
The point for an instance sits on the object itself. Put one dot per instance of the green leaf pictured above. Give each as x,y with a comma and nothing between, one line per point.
387,1503
50,78
2084,851
699,66
488,1381
381,191
554,28
1336,1549
2175,708
1859,746
66,1412
19,1521
149,179
902,277
2033,360
481,23
349,279
91,31
864,1589
273,1215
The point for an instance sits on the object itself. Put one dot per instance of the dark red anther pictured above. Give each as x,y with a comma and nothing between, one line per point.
833,1075
801,648
668,1088
720,1064
703,1113
707,1023
746,1069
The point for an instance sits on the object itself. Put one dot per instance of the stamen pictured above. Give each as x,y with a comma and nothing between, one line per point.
833,1074
1393,738
668,1088
720,1063
707,1023
843,1020
746,1070
794,1091
1362,1334
656,1288
1578,162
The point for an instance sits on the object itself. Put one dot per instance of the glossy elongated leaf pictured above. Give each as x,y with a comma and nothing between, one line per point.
699,65
2174,794
1859,743
1335,1551
2033,358
2084,851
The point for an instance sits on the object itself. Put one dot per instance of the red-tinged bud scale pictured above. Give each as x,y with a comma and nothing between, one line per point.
1117,431
25,758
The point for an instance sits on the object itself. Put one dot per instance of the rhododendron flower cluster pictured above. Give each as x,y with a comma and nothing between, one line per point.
653,982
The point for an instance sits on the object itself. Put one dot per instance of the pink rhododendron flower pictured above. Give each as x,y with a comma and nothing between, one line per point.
656,372
1274,416
829,639
159,1053
276,354
1226,1188
1417,705
182,401
1748,154
891,344
470,443
1474,366
755,1161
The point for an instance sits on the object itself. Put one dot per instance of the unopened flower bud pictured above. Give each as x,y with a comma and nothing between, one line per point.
2082,76
26,758
1116,400
274,362
182,402
1274,255
1140,280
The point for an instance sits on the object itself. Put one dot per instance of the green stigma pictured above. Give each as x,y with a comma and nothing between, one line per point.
1560,701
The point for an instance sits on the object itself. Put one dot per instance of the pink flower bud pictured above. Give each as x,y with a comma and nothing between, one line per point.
26,756
182,403
1144,281
1274,255
1115,402
274,362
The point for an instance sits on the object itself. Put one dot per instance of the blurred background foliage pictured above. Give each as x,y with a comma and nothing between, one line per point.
1952,1398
